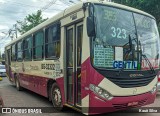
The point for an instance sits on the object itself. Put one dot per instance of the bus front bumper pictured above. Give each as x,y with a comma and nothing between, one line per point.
98,105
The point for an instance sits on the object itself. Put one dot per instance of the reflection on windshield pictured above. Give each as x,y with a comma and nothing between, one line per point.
113,25
149,38
111,47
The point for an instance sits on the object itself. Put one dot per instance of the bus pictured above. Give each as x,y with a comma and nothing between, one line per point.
94,57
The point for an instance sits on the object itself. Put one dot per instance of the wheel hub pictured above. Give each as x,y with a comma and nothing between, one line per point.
57,96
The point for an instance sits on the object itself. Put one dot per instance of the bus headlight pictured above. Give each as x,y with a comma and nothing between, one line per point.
100,92
154,89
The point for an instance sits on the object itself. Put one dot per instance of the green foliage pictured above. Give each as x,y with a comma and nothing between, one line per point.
150,6
30,21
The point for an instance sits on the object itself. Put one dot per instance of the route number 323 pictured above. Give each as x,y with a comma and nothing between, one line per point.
118,33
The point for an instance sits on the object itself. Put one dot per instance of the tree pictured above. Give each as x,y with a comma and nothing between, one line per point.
30,21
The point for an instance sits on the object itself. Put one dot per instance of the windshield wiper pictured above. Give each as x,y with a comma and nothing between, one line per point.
147,60
140,51
149,63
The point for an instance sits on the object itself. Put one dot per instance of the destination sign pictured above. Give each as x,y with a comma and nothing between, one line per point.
103,56
125,64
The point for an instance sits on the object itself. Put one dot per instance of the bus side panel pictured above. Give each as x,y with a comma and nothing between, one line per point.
23,80
12,73
7,72
36,84
42,86
9,75
88,74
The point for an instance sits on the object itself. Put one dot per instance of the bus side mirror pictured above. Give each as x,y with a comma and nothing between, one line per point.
90,26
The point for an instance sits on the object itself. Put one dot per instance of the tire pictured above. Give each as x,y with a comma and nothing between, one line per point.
18,86
56,97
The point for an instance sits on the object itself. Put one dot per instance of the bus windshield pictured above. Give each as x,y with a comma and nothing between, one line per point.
122,38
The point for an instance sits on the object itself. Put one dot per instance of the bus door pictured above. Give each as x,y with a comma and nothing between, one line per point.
74,35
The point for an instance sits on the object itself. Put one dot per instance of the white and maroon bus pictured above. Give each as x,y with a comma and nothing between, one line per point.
95,57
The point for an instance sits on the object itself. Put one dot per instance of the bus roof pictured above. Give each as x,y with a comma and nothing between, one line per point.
72,9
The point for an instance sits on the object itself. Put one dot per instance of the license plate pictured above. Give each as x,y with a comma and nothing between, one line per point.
132,104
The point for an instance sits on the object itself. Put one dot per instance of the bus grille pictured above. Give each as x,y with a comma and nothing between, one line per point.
128,82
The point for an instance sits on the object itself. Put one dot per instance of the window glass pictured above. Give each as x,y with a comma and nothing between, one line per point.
28,43
149,38
13,56
124,39
28,48
52,42
70,47
79,44
39,39
38,45
110,47
19,49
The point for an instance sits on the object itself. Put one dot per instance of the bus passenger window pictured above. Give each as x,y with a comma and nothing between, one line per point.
38,46
13,53
27,44
52,42
19,51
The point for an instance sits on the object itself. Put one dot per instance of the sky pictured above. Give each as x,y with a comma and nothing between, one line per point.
16,10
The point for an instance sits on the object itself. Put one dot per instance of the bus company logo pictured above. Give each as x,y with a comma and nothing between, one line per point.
136,75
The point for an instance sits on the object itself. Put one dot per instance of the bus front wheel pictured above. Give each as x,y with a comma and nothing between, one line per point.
56,97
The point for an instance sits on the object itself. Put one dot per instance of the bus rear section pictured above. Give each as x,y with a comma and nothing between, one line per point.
108,58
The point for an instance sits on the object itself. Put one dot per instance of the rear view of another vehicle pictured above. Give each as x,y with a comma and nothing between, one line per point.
2,71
